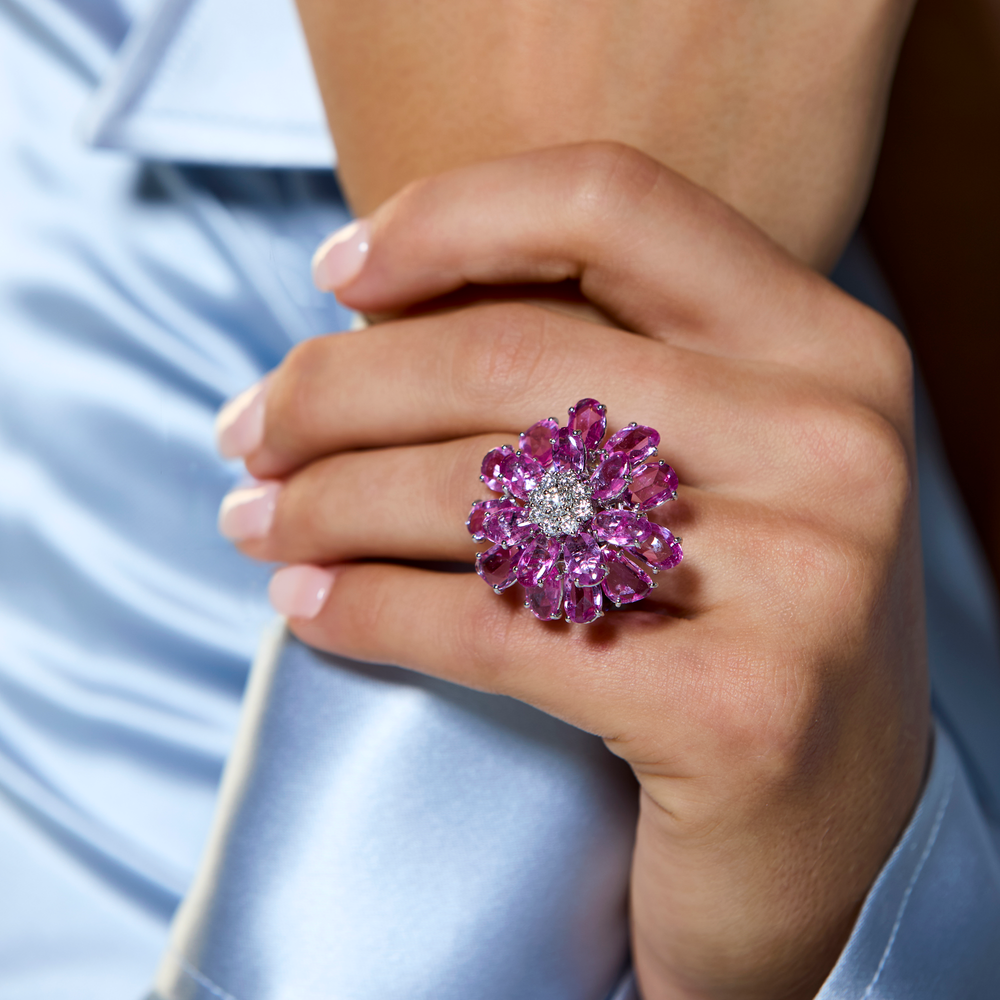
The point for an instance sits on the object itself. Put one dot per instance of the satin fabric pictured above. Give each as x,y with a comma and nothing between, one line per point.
351,855
384,834
135,297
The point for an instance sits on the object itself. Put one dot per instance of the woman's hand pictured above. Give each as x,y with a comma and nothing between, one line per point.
771,696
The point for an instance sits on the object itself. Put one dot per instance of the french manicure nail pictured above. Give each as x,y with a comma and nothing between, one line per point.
300,591
239,427
340,258
248,512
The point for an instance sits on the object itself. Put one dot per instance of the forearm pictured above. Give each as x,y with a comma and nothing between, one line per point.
776,106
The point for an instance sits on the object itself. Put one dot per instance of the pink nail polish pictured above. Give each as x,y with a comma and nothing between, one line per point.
239,427
339,259
248,513
300,591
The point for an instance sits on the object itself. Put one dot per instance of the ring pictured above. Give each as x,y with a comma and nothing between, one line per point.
571,523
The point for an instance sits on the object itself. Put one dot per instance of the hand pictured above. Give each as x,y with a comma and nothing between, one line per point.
771,696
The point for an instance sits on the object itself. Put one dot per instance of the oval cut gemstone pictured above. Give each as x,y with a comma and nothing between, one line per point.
536,441
568,451
545,600
619,527
493,468
583,604
610,478
498,566
583,560
652,485
625,582
589,418
538,557
523,473
510,526
659,548
635,441
481,510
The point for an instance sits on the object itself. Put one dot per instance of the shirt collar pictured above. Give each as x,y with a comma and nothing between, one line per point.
214,81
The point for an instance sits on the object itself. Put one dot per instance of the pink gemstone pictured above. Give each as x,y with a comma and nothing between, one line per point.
635,441
523,473
589,418
625,582
568,451
583,604
659,548
619,527
493,468
536,441
537,559
610,478
545,600
481,510
498,566
584,565
652,485
510,526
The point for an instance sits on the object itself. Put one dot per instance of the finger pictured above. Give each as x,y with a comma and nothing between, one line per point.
455,628
412,504
501,368
661,255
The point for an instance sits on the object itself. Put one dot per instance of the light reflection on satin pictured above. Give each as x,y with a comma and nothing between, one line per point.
134,301
394,836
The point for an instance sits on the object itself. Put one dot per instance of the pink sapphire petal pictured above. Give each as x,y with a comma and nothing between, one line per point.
498,566
619,527
652,485
545,600
538,557
493,468
589,418
584,564
536,441
510,526
610,478
659,548
583,604
625,582
635,441
481,510
523,473
569,451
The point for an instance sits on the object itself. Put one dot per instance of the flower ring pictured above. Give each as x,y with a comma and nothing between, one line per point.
571,525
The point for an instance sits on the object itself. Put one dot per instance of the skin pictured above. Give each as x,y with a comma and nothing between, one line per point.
775,105
771,697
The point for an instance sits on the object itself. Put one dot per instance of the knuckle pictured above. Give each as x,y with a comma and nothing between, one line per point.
488,650
858,456
602,177
890,360
499,352
296,394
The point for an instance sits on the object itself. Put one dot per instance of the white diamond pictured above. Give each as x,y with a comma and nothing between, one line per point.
561,503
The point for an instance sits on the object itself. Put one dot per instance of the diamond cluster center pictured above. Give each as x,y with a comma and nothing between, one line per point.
561,503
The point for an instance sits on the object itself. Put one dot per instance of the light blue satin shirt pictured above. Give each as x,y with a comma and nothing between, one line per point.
164,183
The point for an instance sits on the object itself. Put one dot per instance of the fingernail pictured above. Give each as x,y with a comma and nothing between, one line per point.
300,591
248,513
340,258
239,427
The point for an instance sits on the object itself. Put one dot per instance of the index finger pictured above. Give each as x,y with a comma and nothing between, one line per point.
660,255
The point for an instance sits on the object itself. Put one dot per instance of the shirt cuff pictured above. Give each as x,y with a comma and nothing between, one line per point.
930,926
